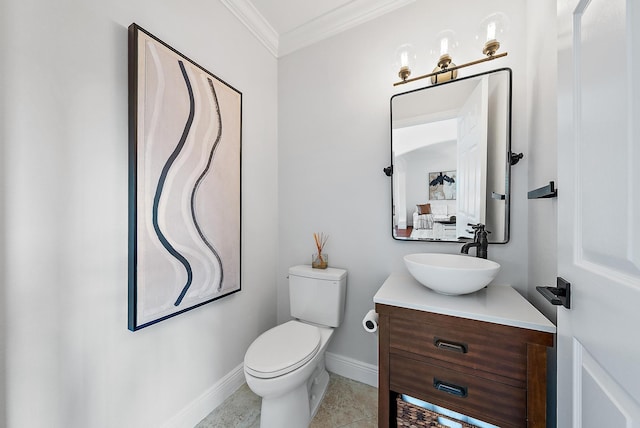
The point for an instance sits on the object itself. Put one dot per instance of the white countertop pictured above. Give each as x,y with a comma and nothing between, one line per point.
499,304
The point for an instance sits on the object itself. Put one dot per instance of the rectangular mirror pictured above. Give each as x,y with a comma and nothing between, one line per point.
450,159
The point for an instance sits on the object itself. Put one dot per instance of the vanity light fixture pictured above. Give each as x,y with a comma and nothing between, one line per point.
491,28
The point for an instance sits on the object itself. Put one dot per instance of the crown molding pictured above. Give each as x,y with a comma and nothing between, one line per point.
338,20
331,23
247,13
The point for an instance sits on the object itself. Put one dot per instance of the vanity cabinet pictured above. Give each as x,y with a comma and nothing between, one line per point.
469,354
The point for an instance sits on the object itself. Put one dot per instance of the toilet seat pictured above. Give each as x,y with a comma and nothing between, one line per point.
282,349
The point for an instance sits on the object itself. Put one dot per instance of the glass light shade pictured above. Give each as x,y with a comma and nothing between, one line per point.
405,59
445,42
491,32
444,47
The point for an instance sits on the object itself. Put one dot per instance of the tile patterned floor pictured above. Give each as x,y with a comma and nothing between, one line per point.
347,404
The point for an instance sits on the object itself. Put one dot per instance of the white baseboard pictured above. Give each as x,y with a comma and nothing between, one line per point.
352,369
214,396
208,401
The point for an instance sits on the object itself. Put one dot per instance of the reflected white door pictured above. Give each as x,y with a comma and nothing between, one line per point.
400,193
472,160
599,212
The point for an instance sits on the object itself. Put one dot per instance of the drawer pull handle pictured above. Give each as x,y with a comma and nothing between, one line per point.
450,388
450,346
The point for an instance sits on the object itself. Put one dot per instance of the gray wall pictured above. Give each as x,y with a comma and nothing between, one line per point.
541,162
333,127
541,159
315,140
70,360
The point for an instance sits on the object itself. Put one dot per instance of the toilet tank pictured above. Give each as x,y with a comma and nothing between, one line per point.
317,295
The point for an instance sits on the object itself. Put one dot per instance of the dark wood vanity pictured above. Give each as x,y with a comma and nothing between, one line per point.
438,349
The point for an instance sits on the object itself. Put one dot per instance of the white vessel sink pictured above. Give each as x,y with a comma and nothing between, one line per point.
451,274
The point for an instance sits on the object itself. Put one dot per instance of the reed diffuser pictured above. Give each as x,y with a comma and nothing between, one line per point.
320,260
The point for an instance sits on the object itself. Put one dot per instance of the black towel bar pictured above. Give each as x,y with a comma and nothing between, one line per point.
549,191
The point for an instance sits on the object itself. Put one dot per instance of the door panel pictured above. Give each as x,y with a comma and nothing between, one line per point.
472,160
604,403
603,123
598,212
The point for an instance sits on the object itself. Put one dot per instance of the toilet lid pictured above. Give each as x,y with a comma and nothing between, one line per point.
282,349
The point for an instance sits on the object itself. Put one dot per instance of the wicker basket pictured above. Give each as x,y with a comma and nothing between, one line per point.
411,416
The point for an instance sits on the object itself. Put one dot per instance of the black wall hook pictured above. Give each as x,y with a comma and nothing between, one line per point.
515,158
388,170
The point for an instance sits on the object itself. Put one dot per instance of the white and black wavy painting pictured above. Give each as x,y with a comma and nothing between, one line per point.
185,184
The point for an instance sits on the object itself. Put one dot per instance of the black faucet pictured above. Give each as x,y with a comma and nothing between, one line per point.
480,241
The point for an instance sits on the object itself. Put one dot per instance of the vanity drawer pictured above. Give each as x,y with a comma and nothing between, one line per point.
472,344
478,397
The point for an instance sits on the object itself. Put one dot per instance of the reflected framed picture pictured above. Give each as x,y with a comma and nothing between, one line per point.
185,137
442,185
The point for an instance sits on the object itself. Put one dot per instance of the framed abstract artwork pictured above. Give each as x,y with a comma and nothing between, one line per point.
442,185
185,137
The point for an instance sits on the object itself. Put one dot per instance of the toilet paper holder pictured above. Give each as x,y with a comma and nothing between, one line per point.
370,321
370,324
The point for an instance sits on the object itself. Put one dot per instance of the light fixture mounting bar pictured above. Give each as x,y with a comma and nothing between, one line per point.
449,69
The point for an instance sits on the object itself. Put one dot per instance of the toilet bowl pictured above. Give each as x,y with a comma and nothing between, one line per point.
285,365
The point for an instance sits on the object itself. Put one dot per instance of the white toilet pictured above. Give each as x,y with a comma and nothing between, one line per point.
285,365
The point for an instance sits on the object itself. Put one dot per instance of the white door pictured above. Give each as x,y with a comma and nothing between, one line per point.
599,212
472,160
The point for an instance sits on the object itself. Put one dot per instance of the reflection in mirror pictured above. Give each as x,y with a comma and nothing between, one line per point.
450,146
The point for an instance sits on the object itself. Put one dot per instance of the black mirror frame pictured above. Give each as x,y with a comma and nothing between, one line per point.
511,158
